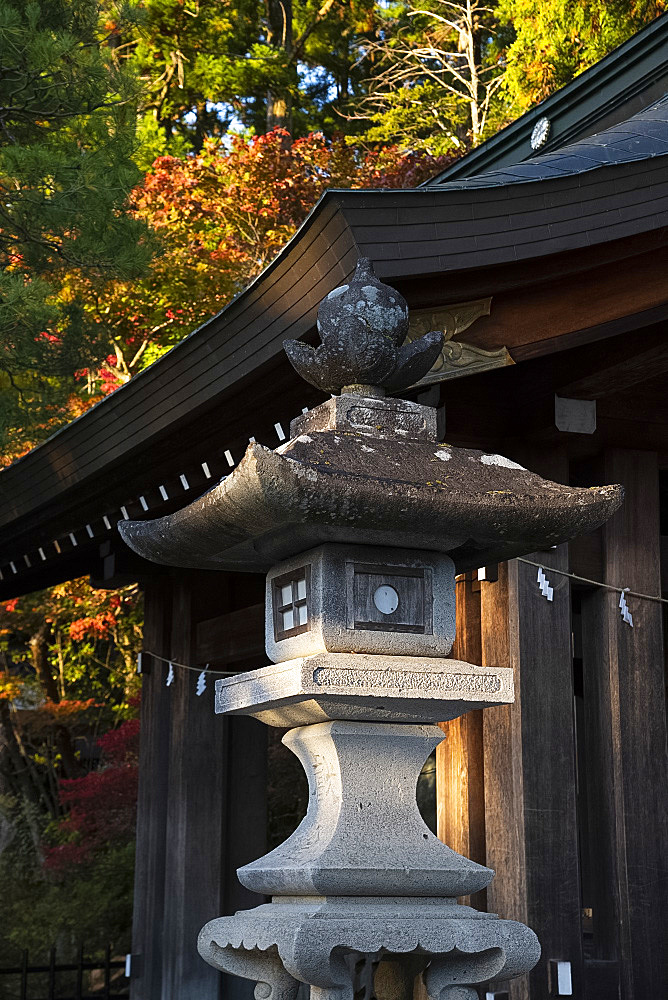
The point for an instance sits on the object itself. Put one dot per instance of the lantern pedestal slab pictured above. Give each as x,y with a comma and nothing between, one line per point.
364,687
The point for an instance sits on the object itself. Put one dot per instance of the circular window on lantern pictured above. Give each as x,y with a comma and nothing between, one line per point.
386,599
541,131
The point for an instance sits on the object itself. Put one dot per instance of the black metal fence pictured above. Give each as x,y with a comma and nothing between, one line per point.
66,981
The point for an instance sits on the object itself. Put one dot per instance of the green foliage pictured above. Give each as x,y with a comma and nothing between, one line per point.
210,64
554,40
435,76
191,55
94,906
67,137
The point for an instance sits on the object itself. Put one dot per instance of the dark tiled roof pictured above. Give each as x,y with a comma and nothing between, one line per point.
628,79
642,137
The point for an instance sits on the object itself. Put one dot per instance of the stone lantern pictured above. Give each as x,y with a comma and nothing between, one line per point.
361,521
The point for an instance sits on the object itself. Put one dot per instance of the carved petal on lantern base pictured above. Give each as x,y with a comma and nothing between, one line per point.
453,946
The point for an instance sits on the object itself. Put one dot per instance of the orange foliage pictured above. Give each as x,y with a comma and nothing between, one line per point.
96,627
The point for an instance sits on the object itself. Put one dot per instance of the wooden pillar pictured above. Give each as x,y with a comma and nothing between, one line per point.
460,799
147,922
625,739
215,811
245,817
529,764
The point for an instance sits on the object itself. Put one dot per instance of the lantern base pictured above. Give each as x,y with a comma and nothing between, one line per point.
319,941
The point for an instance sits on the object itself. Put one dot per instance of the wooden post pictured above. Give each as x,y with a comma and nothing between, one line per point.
195,809
625,739
530,791
149,894
529,761
201,809
502,742
215,812
460,799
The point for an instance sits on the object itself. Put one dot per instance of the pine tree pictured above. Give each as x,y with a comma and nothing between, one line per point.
67,137
212,65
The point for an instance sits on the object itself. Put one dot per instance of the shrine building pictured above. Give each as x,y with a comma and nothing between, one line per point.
543,256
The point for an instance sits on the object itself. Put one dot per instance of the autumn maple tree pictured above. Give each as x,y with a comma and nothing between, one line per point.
68,700
221,216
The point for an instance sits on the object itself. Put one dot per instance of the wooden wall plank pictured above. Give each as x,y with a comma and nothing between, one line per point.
460,799
245,818
146,979
625,736
235,635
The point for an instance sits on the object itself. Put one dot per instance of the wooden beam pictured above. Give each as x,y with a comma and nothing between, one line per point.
613,378
460,799
232,636
625,737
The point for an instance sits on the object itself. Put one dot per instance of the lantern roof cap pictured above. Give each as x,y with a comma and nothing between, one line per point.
370,471
362,326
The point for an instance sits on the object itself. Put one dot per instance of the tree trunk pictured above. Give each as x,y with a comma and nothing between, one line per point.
40,659
279,37
20,777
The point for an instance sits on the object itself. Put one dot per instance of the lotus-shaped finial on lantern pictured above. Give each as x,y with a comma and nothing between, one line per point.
363,326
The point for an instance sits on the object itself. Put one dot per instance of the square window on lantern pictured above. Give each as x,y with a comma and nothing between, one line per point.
290,600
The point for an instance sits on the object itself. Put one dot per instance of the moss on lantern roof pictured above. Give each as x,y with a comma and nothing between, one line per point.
340,485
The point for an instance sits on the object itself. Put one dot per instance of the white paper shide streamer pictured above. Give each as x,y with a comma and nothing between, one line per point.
544,584
624,608
201,682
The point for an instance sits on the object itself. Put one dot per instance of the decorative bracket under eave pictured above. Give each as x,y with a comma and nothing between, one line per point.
457,358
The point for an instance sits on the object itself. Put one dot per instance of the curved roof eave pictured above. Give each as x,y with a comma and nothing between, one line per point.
446,230
642,137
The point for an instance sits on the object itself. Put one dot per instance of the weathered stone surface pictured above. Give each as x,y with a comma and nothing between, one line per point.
394,419
363,326
363,687
448,944
363,834
348,487
341,582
